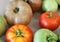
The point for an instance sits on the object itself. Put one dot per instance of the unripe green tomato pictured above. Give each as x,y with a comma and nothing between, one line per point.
49,5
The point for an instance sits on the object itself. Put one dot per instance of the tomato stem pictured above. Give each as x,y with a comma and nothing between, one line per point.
50,15
50,39
16,10
19,33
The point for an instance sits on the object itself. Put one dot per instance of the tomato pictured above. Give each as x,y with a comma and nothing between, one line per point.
3,24
59,21
19,33
49,20
18,12
35,4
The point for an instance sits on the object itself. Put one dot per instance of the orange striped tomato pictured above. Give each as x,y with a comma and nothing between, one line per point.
19,33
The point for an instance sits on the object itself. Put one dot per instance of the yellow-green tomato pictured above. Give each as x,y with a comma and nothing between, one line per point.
3,24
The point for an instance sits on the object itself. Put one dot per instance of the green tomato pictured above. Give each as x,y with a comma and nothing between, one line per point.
3,24
58,1
49,5
45,35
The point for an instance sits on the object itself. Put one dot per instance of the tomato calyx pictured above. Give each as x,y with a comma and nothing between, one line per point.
19,33
29,2
50,15
50,38
16,10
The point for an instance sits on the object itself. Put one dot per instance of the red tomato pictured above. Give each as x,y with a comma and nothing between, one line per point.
59,20
35,5
49,20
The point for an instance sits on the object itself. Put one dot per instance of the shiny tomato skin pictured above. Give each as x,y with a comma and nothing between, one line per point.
51,23
12,37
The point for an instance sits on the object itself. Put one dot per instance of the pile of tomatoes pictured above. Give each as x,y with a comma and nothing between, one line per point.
19,13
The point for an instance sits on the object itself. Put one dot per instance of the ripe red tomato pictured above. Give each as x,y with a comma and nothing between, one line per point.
49,20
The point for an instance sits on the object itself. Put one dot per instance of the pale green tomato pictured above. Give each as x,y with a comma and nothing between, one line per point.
44,35
49,5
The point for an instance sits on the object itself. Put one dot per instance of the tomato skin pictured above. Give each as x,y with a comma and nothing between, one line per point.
47,22
12,37
35,5
15,15
59,20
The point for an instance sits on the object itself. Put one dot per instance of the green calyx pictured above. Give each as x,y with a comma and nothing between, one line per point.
50,39
58,38
51,15
19,33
